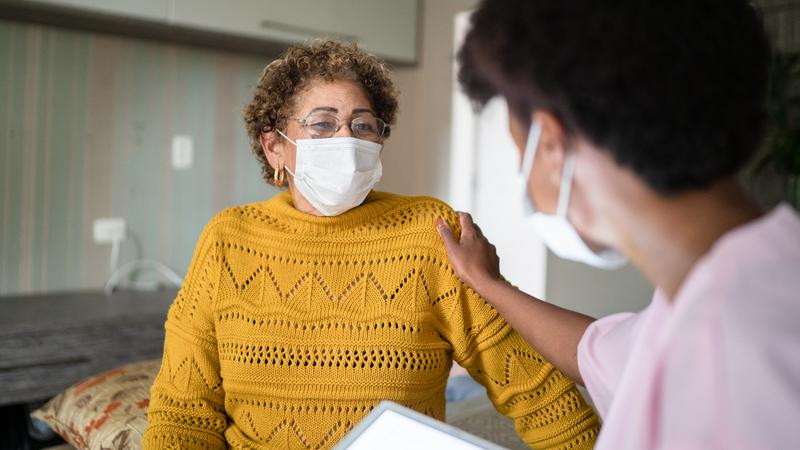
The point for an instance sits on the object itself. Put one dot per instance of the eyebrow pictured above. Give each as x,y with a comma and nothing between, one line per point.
334,110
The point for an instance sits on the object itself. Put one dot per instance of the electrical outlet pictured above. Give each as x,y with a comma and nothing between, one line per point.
182,152
108,229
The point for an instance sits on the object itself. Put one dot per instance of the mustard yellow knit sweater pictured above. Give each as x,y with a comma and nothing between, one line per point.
290,328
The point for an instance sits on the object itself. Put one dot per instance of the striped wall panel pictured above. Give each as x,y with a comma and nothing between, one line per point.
86,123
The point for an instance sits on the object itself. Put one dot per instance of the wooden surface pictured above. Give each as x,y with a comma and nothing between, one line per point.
49,342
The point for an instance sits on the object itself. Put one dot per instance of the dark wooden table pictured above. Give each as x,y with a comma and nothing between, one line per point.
49,342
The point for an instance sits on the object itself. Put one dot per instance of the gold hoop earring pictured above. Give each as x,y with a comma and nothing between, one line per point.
278,177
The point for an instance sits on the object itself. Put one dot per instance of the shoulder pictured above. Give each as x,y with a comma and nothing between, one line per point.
422,209
773,239
756,268
739,329
234,214
744,291
235,221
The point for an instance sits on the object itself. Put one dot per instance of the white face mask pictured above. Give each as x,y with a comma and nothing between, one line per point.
555,230
336,174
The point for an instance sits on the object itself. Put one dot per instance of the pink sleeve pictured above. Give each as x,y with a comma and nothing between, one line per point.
602,355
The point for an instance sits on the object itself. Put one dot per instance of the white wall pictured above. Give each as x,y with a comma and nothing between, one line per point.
595,292
416,157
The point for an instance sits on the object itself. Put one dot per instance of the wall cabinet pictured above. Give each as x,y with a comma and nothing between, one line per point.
141,9
387,28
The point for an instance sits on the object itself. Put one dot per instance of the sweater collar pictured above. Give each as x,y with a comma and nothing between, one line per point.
376,204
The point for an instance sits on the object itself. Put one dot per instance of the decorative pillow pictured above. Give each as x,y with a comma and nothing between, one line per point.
106,412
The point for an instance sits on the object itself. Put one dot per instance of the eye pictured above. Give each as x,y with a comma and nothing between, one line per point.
369,127
364,127
323,126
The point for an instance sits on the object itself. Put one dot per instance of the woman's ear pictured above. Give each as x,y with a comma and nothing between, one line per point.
552,146
272,148
544,182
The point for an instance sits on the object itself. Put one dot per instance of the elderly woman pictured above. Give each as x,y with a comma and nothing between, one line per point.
299,314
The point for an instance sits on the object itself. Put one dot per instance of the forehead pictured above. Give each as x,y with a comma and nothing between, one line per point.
342,95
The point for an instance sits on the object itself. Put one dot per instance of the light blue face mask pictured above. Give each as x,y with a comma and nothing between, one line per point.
558,234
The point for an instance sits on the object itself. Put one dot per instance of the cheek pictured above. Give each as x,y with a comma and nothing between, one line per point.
289,150
289,156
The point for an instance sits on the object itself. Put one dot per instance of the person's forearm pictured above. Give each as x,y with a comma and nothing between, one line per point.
553,331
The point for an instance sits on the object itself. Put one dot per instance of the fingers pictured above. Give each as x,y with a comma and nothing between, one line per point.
446,234
466,221
468,226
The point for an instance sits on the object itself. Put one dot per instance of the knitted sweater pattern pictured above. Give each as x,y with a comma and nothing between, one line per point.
290,328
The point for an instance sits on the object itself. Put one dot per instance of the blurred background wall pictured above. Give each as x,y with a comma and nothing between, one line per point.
86,122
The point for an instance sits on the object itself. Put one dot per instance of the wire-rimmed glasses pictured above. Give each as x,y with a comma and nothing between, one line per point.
365,126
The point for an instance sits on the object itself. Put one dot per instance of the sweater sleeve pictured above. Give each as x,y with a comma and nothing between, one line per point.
546,407
187,401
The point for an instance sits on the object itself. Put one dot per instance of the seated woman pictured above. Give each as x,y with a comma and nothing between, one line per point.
301,313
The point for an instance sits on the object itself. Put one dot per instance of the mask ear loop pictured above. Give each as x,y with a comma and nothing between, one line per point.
565,189
534,135
286,168
286,137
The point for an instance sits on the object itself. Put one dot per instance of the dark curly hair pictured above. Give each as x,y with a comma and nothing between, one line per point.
327,60
673,89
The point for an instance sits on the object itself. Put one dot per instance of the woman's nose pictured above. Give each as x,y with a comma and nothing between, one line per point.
344,131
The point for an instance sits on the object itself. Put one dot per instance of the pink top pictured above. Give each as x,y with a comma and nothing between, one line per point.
720,367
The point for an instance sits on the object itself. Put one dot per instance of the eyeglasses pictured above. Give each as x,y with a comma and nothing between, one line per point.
324,125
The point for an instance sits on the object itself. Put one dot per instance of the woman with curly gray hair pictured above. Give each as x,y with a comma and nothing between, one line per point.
301,313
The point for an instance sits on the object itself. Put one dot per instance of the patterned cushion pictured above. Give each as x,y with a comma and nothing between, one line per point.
108,411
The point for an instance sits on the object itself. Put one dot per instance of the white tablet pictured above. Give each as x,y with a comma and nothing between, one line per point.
394,427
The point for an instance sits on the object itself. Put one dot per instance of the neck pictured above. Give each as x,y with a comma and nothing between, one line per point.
301,204
668,236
